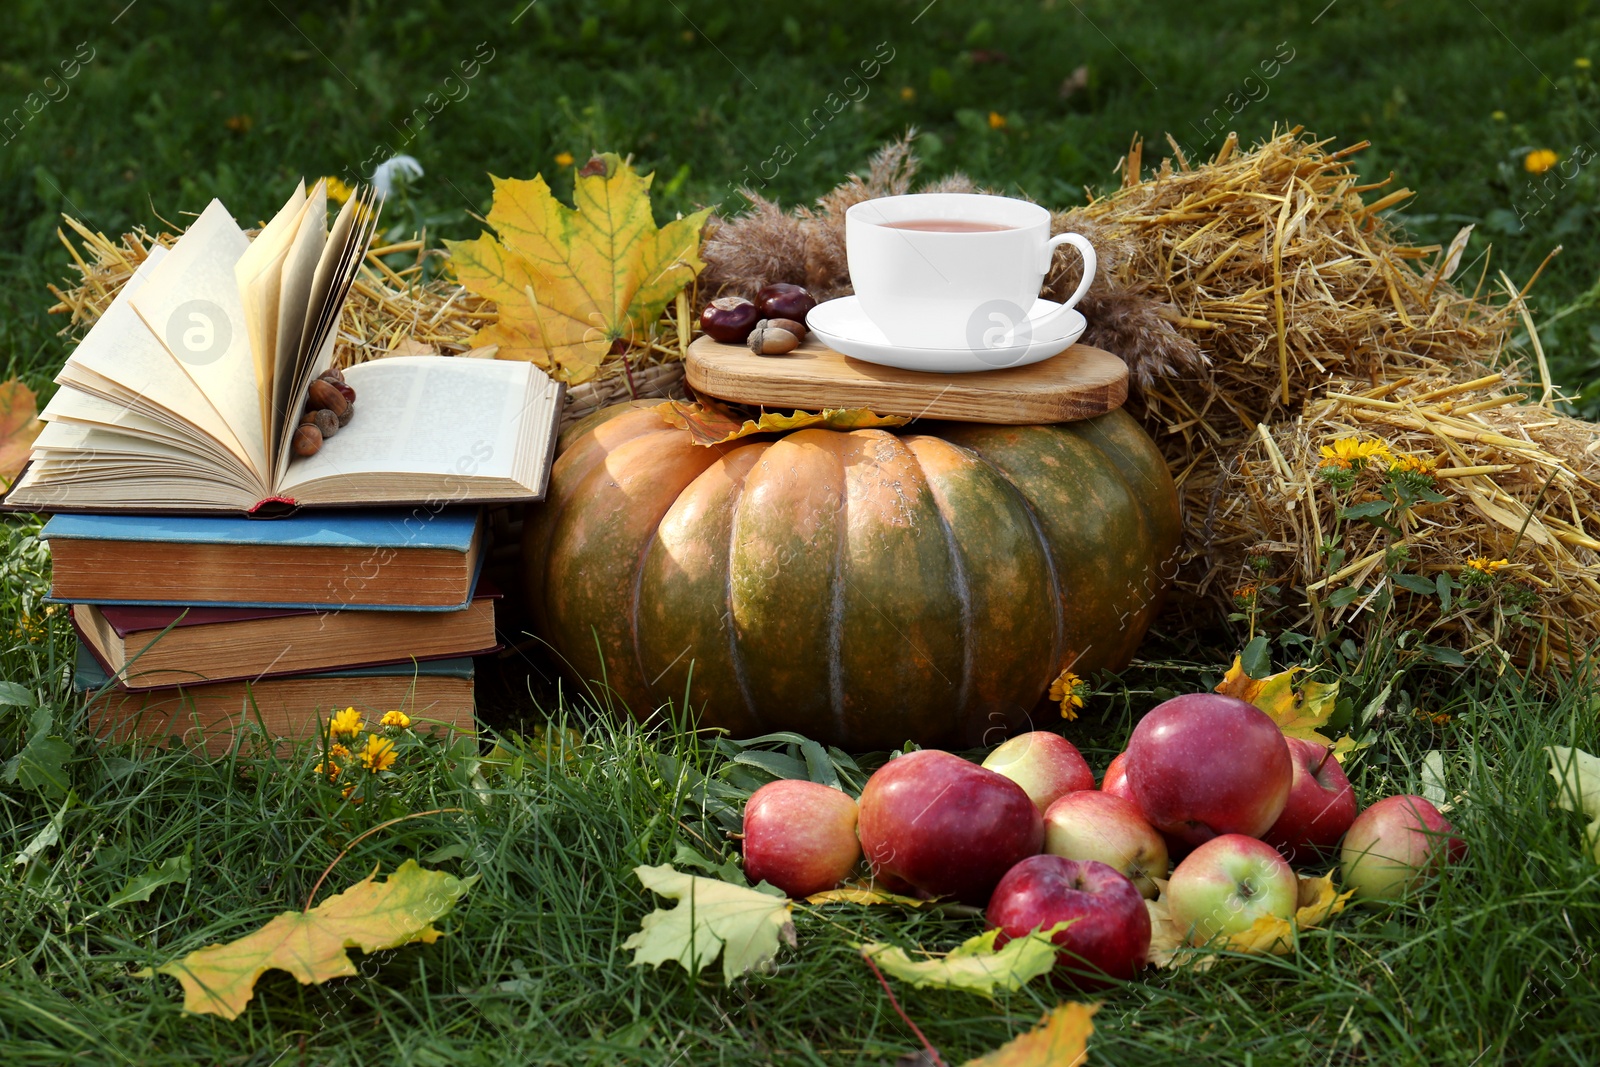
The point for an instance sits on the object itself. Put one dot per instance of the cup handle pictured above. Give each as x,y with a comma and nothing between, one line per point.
1086,250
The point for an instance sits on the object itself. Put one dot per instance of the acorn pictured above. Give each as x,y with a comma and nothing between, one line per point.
325,394
326,422
307,441
796,328
769,340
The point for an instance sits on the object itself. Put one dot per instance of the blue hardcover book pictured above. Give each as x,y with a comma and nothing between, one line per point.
433,694
396,559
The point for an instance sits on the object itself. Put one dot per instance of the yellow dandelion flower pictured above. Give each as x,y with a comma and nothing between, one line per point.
1498,116
1582,63
338,751
1539,160
908,94
379,753
1068,690
347,721
346,794
563,159
395,718
1352,453
338,191
333,770
1485,565
997,121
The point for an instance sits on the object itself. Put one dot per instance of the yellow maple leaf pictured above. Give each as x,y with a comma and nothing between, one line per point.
1297,713
569,282
974,965
19,425
744,925
221,979
1269,935
711,423
1060,1040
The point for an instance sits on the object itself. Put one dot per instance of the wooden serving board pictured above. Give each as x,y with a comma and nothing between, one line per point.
1080,383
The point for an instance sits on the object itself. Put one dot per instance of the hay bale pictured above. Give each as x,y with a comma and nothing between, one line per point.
1512,517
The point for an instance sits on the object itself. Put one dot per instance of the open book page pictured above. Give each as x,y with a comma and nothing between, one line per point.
299,272
123,364
258,274
435,422
77,408
336,269
191,305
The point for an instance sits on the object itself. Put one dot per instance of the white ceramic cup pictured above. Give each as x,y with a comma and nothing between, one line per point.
956,290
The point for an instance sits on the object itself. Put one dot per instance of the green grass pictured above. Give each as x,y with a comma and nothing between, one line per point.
1496,967
703,93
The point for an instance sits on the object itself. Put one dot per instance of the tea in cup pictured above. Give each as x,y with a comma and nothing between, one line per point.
956,270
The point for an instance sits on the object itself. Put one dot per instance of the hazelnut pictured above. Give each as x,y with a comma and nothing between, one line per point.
307,441
323,394
729,318
341,385
349,413
785,301
332,374
326,422
796,328
769,340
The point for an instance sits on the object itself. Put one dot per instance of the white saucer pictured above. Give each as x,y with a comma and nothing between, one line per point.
844,327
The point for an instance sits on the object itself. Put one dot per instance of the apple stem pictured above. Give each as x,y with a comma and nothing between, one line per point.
933,1053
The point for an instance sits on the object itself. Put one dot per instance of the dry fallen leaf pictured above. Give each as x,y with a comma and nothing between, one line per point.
221,979
569,282
744,925
974,965
711,423
1060,1040
863,894
1578,775
19,425
1269,935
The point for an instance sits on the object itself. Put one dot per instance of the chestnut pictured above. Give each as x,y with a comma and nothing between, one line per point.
784,301
729,319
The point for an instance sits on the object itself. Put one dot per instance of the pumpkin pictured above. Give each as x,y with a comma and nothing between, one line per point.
862,588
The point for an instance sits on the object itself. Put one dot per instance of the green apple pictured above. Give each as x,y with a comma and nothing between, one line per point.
1228,883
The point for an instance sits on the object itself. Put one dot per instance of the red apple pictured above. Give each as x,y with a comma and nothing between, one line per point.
1228,883
1116,780
1395,846
1091,825
800,836
1203,765
1110,932
1321,804
946,825
1044,764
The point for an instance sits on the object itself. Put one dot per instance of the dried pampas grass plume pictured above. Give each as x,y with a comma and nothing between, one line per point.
806,246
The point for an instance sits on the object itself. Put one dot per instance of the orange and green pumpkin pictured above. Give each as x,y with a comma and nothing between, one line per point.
864,587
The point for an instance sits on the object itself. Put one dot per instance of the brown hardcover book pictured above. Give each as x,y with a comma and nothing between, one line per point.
161,647
437,695
383,558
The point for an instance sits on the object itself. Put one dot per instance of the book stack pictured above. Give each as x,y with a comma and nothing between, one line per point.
220,573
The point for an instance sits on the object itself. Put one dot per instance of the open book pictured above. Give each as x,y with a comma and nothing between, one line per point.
185,395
